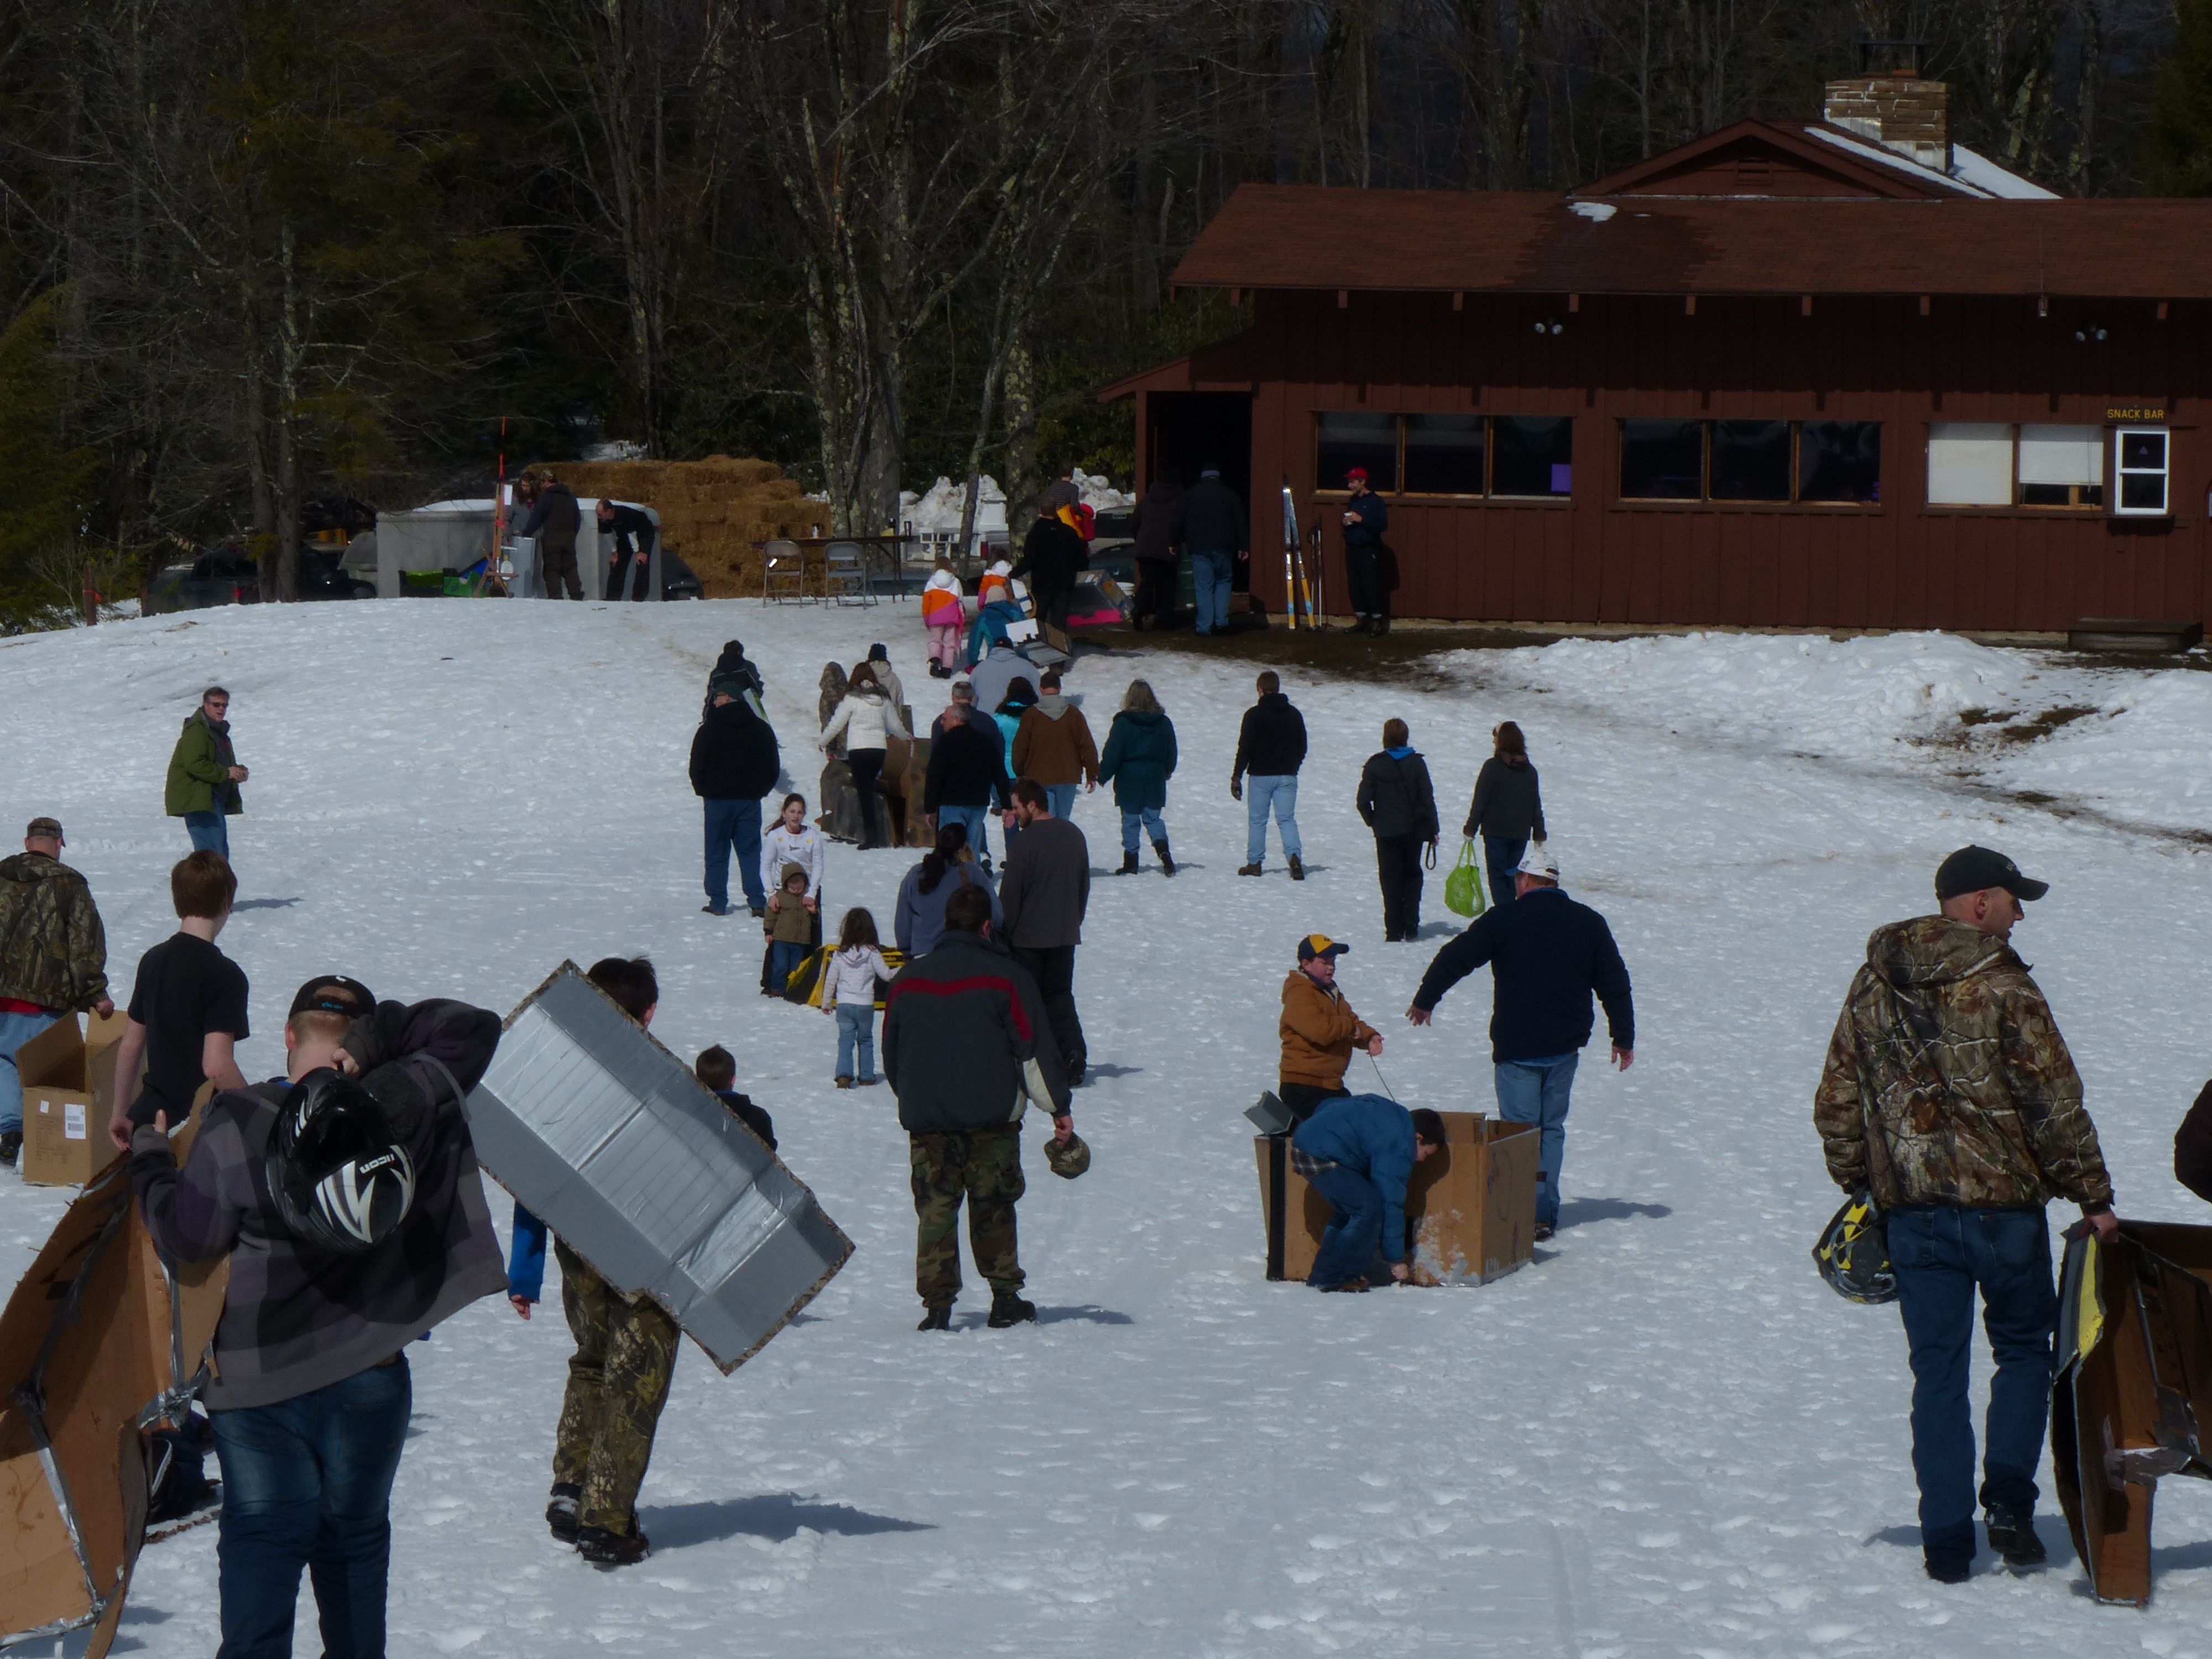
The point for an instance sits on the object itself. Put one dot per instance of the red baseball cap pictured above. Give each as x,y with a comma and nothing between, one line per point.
1359,472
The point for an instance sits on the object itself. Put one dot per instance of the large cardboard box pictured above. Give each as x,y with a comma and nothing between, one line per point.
1471,1210
69,1094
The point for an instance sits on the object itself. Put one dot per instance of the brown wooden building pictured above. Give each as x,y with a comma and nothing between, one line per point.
1835,373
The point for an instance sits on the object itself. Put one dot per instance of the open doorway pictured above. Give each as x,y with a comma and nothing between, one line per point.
1189,430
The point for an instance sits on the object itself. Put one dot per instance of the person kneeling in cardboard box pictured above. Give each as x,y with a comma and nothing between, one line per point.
1357,1151
347,1198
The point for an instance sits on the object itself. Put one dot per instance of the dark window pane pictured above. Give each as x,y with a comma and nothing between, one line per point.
1662,460
1839,461
2143,449
1751,461
1443,454
2036,495
1533,455
2143,492
1348,441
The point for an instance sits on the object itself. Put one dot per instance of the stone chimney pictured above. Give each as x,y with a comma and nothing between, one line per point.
1899,109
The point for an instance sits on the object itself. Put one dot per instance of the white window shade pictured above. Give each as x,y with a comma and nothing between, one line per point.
1969,463
2061,455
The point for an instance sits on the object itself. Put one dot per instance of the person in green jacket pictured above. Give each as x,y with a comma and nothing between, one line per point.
204,774
1140,759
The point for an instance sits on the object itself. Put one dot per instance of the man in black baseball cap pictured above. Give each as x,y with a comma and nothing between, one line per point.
333,993
1984,888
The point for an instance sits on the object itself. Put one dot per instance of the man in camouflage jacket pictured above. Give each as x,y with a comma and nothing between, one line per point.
53,958
1949,1095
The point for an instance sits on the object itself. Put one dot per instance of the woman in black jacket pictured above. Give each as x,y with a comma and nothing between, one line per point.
1398,803
1508,809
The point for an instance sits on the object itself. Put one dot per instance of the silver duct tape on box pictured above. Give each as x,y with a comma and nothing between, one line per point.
640,1170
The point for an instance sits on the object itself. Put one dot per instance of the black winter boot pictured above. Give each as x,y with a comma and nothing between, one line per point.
1008,1309
937,1319
1298,869
1128,864
561,1512
603,1548
1167,863
2012,1534
11,1144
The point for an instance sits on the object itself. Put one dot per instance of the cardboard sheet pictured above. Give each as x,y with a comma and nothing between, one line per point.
635,1165
69,1094
94,1339
1470,1211
2134,1389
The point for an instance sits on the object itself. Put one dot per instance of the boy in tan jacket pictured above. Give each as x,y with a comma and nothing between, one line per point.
1319,1029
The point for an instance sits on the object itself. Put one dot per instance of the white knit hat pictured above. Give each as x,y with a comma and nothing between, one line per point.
1537,861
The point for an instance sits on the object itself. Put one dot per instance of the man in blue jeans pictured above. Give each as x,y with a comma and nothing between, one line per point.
1209,525
733,764
1357,1151
1948,1095
311,1396
1547,960
1271,744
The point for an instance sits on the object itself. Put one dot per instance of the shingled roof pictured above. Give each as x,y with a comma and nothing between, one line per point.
1306,236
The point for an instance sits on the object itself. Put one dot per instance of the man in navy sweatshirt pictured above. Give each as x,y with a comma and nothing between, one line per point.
1357,1151
1546,958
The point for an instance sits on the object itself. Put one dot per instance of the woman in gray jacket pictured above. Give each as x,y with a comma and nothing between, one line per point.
1508,809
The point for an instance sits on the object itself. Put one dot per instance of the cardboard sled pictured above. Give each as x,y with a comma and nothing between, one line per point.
2134,1390
100,1340
69,1094
600,1131
1470,1211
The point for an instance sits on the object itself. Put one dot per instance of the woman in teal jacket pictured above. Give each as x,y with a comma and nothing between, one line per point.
1139,759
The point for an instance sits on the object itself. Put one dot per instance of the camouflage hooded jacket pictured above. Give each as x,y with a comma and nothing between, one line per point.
1947,1082
53,951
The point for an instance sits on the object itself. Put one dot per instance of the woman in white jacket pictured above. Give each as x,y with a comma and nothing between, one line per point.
848,993
868,721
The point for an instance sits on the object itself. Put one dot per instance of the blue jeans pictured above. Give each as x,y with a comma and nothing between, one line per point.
1148,816
1282,790
15,1031
1941,1257
307,1482
1061,796
209,832
977,820
1501,859
1355,1225
1536,1091
856,1029
733,826
1209,581
784,956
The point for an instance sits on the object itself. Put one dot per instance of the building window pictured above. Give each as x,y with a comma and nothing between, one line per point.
1344,441
1443,454
1662,460
1969,463
1780,461
1839,461
2143,453
2061,466
1526,455
1532,455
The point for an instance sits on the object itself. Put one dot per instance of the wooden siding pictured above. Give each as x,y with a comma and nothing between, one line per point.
1596,559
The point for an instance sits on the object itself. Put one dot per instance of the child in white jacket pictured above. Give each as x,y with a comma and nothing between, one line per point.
848,994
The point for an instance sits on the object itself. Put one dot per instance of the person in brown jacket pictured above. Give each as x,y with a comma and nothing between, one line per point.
1053,745
1319,1029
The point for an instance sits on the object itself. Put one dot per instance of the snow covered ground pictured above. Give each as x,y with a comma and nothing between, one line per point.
1665,1437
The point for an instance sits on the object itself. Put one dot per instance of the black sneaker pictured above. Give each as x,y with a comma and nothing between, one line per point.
603,1548
561,1512
937,1319
1543,1232
11,1147
2012,1534
1007,1309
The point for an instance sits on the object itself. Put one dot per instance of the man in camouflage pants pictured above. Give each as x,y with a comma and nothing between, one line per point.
53,959
967,1049
1949,1095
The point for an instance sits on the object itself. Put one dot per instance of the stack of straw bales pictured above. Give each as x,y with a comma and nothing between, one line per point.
712,511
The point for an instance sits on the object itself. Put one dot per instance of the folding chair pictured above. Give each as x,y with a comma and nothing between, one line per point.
783,572
845,575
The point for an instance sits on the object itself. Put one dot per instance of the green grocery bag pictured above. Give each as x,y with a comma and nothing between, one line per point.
1463,887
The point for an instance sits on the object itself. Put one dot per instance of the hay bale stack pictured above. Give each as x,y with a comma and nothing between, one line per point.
711,511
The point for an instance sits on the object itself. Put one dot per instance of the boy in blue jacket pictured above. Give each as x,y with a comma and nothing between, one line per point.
1358,1151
